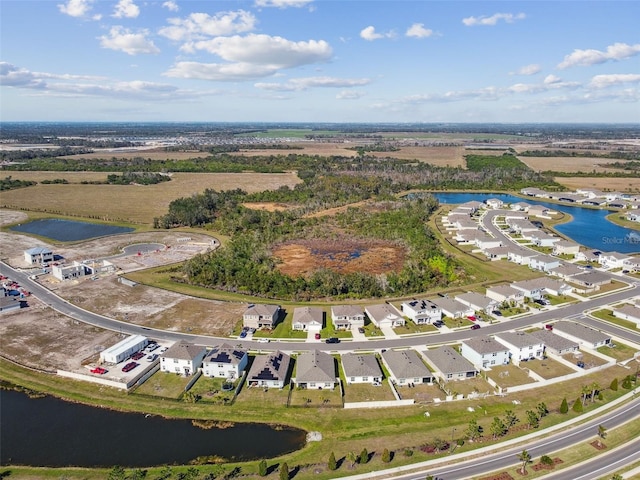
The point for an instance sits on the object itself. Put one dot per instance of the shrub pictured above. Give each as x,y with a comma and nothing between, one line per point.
614,385
408,452
564,407
546,460
364,456
332,464
262,468
284,471
577,406
386,456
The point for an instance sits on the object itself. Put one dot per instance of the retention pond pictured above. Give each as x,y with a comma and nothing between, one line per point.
69,230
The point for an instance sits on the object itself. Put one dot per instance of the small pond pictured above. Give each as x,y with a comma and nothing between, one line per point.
51,432
69,230
588,227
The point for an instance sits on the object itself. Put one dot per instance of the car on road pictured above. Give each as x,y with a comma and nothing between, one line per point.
99,370
263,340
129,366
332,340
475,326
548,326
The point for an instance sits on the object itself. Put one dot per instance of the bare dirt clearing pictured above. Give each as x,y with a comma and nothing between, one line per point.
343,256
268,206
153,154
604,183
135,203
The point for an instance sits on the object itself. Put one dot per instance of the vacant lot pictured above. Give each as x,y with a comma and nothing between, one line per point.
568,164
344,256
152,154
133,203
604,183
439,156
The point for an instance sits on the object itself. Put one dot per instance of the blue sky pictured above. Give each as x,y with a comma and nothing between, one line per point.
319,61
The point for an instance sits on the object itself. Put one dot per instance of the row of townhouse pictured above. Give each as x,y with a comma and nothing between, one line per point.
587,196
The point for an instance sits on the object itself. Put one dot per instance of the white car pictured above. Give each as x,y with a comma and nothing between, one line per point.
263,340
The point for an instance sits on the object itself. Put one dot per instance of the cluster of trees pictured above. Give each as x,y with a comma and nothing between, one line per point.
8,183
617,154
199,209
139,178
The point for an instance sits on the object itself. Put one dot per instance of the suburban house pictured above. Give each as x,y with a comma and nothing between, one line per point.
530,289
384,315
521,226
225,361
555,344
361,368
612,259
565,247
534,192
9,303
452,308
628,312
315,370
521,256
632,264
494,203
539,211
485,352
548,285
587,256
460,222
471,206
308,319
448,364
261,316
478,302
591,279
520,206
38,255
183,358
522,346
566,270
544,263
68,272
505,293
421,311
543,239
269,371
345,317
583,335
633,217
496,253
406,367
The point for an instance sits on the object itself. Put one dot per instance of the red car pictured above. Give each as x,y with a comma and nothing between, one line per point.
472,318
137,356
129,366
99,370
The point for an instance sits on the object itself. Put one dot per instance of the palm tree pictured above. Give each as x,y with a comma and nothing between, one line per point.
352,457
584,393
525,458
595,388
602,434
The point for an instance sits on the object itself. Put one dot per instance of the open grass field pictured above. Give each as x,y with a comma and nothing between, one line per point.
601,183
131,203
568,164
152,154
164,385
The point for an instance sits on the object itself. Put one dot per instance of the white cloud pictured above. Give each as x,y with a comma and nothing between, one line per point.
552,79
617,51
531,69
276,52
171,6
369,33
123,40
198,26
493,19
230,72
297,84
550,82
604,81
417,30
349,95
12,76
76,8
282,3
126,9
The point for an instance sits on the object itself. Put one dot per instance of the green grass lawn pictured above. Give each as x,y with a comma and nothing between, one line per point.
547,368
164,384
509,376
365,392
310,398
607,315
210,390
620,351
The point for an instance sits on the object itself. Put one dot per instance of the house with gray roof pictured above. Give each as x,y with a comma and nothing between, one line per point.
361,368
384,315
565,270
183,358
551,286
9,303
555,344
261,316
544,263
421,312
406,367
628,312
308,319
591,280
315,370
496,253
345,317
522,345
505,293
225,361
38,255
478,302
565,247
269,371
583,335
452,308
521,256
448,364
485,352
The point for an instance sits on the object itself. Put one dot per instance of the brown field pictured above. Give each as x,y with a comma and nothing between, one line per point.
617,184
344,256
568,164
309,148
267,206
439,156
130,203
152,154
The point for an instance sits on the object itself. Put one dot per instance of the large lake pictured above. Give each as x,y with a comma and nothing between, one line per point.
69,230
54,433
589,226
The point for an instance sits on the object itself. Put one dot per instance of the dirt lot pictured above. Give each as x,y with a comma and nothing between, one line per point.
343,256
568,164
48,345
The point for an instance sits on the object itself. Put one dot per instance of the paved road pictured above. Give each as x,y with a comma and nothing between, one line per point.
573,310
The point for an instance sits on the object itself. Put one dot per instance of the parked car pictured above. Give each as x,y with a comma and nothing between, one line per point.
580,363
472,318
317,336
360,330
99,370
243,334
438,323
129,366
497,313
333,340
475,326
153,346
137,356
151,358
